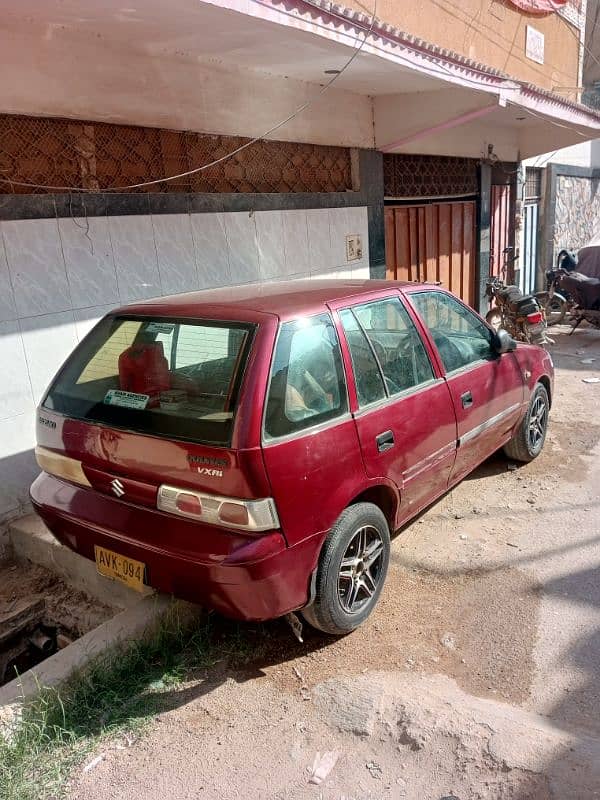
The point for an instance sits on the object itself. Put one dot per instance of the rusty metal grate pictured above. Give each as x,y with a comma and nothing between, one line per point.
97,156
415,176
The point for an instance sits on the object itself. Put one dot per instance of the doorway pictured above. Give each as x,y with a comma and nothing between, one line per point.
433,242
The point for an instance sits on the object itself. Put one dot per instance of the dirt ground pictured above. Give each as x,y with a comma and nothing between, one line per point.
73,612
478,676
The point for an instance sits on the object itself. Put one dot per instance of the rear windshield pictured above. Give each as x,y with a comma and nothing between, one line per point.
164,377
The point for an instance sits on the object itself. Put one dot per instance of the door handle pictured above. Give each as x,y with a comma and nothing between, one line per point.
385,441
466,399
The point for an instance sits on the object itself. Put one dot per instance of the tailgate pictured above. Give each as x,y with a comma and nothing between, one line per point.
132,466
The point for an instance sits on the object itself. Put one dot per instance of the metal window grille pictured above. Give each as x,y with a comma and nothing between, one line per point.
533,183
98,156
428,176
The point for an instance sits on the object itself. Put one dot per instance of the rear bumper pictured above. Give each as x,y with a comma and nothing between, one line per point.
245,577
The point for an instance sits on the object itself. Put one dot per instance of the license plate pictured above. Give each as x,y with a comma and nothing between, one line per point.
538,328
120,568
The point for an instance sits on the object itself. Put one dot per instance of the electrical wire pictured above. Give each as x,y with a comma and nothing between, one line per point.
497,162
383,35
227,156
558,10
367,30
542,164
473,69
488,73
471,23
595,23
567,24
550,121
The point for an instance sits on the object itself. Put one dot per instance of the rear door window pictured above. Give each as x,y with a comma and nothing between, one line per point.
396,347
177,378
367,370
307,384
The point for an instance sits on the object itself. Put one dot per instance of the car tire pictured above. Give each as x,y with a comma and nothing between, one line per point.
528,441
352,568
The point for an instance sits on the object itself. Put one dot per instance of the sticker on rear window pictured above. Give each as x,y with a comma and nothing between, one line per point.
159,327
117,397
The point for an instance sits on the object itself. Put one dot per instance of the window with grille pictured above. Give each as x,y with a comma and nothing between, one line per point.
533,183
98,156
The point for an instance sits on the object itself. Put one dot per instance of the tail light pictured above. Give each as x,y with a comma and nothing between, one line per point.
535,317
249,515
61,466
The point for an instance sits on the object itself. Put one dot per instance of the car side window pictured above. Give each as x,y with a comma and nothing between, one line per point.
396,343
460,337
307,384
367,375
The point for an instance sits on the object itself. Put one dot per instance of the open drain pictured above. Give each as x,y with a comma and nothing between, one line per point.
40,614
25,637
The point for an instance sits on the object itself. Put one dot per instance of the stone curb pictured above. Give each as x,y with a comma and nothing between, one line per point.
30,540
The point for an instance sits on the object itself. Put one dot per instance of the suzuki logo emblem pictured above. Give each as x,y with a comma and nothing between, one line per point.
117,487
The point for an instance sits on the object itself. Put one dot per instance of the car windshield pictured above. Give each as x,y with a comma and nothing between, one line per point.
175,378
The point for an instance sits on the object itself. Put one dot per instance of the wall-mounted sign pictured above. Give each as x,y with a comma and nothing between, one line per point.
534,45
539,6
353,247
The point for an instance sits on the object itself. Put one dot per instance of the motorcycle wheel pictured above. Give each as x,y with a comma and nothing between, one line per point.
554,308
494,318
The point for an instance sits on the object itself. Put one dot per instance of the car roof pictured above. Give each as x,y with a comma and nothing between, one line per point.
285,299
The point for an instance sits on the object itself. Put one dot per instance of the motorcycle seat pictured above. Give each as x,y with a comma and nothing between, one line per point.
579,277
526,298
584,290
512,293
585,279
519,302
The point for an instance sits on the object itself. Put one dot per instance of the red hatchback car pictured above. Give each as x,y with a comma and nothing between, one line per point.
252,449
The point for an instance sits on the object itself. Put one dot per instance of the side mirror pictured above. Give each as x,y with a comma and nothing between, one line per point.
503,342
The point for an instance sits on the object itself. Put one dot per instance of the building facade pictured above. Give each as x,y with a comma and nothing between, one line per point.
567,211
363,146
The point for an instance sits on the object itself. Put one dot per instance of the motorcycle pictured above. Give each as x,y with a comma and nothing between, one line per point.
585,294
556,300
519,314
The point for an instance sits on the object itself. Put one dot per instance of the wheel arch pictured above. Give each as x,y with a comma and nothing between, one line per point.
384,497
547,384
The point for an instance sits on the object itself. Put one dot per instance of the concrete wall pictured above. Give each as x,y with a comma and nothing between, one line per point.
78,75
492,33
59,275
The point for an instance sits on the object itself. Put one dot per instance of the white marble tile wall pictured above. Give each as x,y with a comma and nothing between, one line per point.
59,277
209,235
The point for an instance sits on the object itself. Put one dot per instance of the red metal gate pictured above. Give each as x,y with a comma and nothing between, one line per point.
433,242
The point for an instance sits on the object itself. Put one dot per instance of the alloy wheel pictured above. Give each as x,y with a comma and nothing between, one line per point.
360,569
537,423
